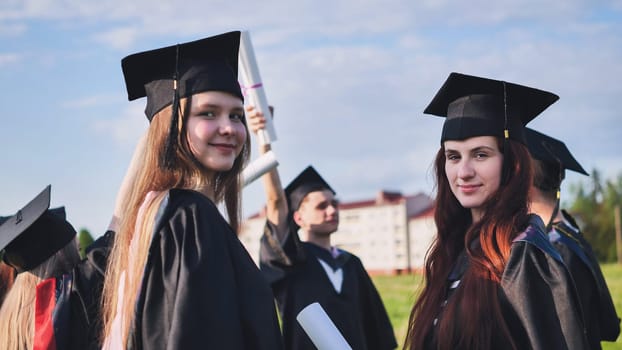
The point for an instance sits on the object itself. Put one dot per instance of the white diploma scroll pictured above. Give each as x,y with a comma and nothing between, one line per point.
320,328
253,87
258,167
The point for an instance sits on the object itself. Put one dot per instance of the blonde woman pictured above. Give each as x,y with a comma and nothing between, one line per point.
178,277
52,283
52,303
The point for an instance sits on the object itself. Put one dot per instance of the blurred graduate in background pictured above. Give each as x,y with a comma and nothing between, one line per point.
551,159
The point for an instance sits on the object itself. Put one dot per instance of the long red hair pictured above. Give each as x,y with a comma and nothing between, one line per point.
472,317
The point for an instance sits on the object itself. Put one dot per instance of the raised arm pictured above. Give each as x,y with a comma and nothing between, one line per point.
276,202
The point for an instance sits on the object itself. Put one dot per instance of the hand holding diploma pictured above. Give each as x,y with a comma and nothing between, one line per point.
276,201
267,160
253,87
320,328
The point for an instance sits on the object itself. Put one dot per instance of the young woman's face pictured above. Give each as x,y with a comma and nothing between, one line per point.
473,168
215,130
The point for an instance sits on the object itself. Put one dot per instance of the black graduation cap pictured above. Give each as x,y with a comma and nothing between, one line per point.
201,65
476,106
34,233
550,150
309,180
167,74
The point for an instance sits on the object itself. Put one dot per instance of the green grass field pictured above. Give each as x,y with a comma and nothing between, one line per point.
399,293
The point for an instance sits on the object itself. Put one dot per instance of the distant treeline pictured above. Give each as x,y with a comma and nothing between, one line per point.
592,203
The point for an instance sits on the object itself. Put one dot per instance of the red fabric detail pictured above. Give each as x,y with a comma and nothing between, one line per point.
45,302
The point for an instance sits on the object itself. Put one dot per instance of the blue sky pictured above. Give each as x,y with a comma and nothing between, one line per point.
349,81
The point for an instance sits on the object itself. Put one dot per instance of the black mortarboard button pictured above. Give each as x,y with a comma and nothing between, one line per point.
309,180
34,233
167,74
476,106
547,149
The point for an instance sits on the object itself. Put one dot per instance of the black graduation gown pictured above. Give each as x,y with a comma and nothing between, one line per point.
298,280
544,310
537,296
75,322
601,320
200,288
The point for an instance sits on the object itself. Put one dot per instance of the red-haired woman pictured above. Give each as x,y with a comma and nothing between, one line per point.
492,279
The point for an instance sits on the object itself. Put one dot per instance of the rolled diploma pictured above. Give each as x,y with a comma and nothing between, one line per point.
252,84
320,328
258,167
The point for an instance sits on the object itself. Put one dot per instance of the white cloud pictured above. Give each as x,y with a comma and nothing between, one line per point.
58,9
7,59
90,101
485,12
12,29
129,22
119,38
127,128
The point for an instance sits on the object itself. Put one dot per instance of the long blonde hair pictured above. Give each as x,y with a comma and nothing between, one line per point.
188,174
17,314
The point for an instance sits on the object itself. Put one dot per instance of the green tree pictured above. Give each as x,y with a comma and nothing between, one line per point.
84,240
593,207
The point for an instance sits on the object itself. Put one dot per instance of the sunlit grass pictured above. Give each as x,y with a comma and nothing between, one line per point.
398,294
613,275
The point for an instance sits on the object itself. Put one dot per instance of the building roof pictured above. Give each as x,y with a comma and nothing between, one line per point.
425,213
417,204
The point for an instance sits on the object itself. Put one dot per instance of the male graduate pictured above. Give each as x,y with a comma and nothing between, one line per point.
551,159
303,272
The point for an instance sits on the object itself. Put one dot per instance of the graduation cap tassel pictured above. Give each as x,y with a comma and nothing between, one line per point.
553,214
506,136
168,160
549,149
